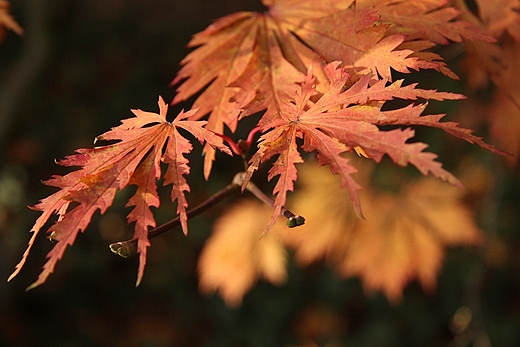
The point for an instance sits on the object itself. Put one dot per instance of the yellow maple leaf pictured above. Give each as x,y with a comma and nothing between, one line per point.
403,236
327,210
234,256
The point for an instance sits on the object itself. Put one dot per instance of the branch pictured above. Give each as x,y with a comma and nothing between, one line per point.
128,248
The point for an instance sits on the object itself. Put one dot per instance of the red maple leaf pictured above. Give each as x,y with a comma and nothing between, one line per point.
143,142
341,120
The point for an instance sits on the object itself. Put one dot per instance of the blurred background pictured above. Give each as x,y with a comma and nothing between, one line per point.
78,70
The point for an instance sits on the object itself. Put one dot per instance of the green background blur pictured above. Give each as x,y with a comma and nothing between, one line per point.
79,69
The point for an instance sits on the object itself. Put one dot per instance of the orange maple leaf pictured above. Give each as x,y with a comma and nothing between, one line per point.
341,120
426,19
354,38
499,16
500,64
142,143
252,61
503,117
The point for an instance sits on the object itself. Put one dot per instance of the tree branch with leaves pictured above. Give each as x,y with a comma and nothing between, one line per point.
321,76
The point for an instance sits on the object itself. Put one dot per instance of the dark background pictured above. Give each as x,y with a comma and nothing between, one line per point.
79,69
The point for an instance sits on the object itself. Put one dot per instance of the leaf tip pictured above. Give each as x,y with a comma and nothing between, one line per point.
359,211
34,285
139,279
13,275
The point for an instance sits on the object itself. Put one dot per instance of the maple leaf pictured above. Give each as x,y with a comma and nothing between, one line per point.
411,115
402,238
250,62
358,42
233,258
7,21
505,124
419,47
498,63
341,120
142,143
494,60
499,16
324,233
426,19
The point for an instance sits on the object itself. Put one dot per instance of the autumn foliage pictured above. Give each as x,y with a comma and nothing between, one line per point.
322,74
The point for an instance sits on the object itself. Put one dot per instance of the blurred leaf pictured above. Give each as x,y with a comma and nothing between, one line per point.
234,256
7,21
500,16
403,237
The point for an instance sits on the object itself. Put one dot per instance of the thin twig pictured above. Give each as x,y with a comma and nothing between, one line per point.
128,248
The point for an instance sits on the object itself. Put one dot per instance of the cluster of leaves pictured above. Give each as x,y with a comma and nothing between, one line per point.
402,238
320,72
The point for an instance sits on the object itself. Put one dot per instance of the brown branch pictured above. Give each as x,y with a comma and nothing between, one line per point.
128,248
